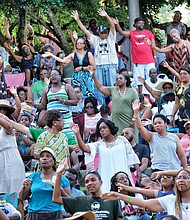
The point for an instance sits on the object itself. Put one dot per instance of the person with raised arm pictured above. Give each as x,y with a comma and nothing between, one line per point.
114,152
104,51
143,56
92,202
177,205
161,143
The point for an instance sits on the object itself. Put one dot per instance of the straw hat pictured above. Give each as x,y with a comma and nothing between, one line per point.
168,81
87,215
4,103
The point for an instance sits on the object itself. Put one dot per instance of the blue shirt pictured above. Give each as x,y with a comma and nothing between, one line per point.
41,197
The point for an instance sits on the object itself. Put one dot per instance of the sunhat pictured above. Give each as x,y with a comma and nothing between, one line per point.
87,215
168,81
4,103
49,150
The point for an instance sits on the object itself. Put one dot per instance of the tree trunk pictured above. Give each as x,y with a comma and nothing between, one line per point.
59,34
21,35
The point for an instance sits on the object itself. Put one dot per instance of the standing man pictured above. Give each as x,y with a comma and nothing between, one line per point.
168,26
143,57
105,53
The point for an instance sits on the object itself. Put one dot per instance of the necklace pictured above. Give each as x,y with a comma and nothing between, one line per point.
122,92
111,143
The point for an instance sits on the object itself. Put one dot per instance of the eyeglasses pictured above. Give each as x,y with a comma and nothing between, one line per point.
182,177
103,32
89,107
54,75
79,43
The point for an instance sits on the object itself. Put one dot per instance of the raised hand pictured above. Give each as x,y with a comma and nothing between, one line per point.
70,32
136,106
62,166
102,13
110,196
46,54
75,15
156,175
75,35
147,122
115,20
6,45
13,90
47,81
6,22
165,64
75,128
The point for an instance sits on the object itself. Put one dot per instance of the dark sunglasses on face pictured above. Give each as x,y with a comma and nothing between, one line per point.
103,32
89,107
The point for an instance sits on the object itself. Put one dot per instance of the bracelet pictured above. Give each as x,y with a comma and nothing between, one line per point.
154,57
129,199
82,68
63,100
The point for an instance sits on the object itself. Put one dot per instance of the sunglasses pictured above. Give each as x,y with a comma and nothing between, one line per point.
104,32
89,107
77,91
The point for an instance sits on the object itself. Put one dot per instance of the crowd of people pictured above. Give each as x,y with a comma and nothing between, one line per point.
84,111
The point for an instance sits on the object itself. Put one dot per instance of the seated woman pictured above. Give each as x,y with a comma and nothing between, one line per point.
128,211
167,188
37,189
26,60
91,117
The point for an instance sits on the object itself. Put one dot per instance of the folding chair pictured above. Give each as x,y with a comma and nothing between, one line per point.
27,160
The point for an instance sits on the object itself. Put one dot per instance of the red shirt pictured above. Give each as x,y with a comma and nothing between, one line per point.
141,51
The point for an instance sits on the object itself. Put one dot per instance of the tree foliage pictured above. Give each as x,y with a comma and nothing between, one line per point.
57,13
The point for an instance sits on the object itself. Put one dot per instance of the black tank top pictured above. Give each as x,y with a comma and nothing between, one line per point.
83,62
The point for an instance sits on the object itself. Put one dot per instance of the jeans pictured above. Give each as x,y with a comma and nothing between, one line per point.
106,75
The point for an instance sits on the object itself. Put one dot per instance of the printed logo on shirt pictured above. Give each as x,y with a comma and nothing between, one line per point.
95,206
99,214
103,47
139,39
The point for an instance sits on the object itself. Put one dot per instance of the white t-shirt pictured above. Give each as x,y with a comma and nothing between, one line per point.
168,204
153,86
105,52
